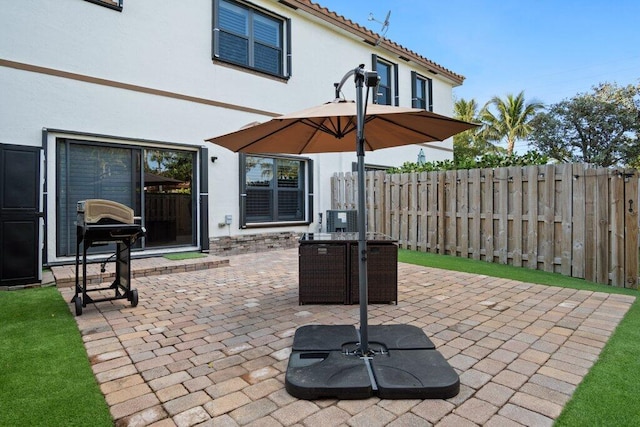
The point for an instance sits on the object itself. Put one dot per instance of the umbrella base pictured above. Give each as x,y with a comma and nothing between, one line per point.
405,365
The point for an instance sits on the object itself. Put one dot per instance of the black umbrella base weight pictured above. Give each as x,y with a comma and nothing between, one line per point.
404,365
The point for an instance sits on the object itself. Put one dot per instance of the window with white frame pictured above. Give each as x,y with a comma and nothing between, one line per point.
421,92
251,37
387,92
275,190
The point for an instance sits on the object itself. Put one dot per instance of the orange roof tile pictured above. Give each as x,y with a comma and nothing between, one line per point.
372,37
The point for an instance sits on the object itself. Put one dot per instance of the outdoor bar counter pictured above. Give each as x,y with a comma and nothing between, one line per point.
328,268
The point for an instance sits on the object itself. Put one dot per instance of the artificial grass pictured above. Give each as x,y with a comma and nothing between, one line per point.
605,396
522,274
184,255
45,376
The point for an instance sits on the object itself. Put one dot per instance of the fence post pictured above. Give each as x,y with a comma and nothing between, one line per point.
566,212
423,195
579,221
463,211
412,191
547,198
432,233
616,234
515,177
631,229
379,201
451,208
442,207
475,207
602,226
502,234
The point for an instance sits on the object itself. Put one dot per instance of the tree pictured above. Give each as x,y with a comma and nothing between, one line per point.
511,120
600,128
470,144
172,164
489,160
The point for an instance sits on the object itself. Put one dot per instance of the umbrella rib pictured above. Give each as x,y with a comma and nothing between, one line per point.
319,126
288,125
333,130
308,141
348,127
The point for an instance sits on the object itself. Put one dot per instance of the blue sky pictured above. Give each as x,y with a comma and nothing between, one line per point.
551,49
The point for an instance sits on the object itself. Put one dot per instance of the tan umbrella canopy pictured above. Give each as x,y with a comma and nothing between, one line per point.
322,129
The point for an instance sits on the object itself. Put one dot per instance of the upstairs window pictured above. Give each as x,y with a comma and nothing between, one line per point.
249,37
387,93
421,92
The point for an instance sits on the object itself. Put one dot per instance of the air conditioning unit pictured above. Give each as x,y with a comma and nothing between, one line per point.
344,220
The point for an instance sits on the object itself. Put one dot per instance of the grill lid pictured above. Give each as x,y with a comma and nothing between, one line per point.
96,211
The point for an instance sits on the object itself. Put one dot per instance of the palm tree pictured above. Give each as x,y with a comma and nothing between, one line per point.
470,144
466,110
511,121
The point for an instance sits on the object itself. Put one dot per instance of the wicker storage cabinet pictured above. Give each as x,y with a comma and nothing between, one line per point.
382,273
328,269
323,274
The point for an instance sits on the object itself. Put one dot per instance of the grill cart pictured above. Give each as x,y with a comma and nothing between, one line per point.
101,222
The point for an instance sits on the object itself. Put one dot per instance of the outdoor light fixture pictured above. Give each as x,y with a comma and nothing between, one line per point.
422,159
371,78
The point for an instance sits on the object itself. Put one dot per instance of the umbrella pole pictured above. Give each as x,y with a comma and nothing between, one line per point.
362,232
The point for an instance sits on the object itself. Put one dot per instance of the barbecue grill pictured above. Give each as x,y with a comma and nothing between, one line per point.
99,223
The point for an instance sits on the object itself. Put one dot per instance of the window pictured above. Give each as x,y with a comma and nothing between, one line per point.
421,92
111,4
251,38
387,93
274,189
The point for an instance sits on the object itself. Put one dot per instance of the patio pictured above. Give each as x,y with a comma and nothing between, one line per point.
211,346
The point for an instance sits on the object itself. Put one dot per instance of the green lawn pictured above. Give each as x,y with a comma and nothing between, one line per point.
179,256
605,396
45,377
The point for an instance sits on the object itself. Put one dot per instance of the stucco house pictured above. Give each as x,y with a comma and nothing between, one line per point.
114,99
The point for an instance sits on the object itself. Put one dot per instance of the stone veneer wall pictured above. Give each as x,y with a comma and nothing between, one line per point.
247,243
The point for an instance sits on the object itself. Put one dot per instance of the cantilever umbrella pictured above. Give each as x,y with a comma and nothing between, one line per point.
332,127
339,126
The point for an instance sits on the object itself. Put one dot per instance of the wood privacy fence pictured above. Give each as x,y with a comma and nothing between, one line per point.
570,219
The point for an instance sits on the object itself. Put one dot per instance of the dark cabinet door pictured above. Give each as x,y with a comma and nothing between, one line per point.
19,214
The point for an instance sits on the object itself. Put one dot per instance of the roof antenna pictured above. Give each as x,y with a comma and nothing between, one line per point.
385,26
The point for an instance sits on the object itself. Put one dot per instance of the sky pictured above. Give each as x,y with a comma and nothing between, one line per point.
550,49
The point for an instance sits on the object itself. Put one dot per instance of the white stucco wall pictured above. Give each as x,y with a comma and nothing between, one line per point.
166,46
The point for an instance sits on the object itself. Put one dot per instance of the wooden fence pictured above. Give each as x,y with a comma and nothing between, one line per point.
570,219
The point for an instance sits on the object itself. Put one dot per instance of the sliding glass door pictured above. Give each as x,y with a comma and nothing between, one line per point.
158,184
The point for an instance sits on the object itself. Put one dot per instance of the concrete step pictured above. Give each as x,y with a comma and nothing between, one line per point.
65,275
